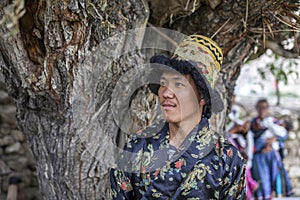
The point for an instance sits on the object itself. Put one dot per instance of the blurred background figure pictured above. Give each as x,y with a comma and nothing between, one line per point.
236,132
285,122
283,184
264,136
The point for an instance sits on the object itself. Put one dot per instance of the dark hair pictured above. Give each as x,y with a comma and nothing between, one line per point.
288,123
184,67
262,100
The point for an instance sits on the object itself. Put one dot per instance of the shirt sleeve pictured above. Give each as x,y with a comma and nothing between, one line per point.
121,188
235,186
120,185
274,128
250,148
120,178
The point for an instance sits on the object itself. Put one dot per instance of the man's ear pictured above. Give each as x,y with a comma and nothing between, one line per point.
202,102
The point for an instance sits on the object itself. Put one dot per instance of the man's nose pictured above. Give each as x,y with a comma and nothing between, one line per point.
168,93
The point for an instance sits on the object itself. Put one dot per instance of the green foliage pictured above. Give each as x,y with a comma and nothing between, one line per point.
281,68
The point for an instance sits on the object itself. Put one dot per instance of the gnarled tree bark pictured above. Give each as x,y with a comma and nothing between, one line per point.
61,69
45,71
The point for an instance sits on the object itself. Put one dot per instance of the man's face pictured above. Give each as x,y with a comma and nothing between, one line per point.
179,97
262,109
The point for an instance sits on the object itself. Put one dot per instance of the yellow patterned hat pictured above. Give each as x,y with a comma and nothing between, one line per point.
204,52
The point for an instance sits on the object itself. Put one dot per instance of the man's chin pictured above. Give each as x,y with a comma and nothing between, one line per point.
172,120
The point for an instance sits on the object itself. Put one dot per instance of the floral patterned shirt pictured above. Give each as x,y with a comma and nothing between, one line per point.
205,166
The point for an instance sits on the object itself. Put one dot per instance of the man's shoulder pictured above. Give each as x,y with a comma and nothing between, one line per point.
226,150
150,135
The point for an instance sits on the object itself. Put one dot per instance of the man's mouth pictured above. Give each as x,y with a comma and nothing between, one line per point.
168,106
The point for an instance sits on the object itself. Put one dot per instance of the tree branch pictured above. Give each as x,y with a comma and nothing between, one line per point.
276,48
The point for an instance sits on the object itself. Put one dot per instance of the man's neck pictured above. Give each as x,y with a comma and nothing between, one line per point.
179,131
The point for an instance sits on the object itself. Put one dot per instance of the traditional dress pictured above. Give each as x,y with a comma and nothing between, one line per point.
205,167
267,165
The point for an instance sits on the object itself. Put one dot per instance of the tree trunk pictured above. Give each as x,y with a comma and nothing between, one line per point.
62,89
63,66
277,92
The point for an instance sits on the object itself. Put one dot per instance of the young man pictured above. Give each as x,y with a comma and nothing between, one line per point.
185,159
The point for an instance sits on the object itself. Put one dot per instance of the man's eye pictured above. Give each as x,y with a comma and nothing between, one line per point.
179,84
163,83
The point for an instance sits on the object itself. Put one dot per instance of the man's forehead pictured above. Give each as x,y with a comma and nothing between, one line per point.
262,104
170,75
